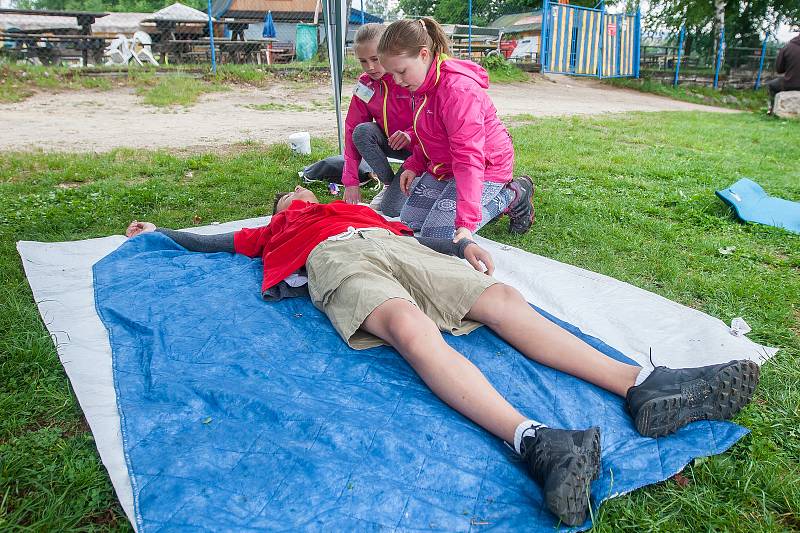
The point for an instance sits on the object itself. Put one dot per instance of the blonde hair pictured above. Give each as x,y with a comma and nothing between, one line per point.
408,37
369,32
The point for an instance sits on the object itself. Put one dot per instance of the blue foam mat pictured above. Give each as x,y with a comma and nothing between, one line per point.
242,415
752,204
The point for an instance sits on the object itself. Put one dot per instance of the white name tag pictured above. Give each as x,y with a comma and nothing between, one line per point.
363,92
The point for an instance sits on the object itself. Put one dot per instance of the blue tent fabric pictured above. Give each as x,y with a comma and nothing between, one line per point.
752,204
358,16
242,415
269,27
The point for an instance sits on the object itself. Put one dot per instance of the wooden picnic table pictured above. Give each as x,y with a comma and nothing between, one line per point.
85,19
236,51
49,49
481,48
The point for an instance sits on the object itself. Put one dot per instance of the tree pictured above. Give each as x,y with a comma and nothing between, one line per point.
746,21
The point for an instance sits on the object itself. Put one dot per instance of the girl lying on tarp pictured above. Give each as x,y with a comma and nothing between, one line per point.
378,284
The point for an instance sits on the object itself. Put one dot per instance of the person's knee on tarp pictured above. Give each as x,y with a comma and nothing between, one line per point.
460,139
377,126
377,284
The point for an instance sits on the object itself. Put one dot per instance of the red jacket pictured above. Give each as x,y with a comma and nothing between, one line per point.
459,135
285,243
390,107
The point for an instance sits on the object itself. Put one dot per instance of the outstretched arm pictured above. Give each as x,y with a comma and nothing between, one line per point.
222,242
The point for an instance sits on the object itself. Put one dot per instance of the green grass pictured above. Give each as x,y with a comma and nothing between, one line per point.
176,90
615,195
314,105
502,71
746,99
163,86
18,83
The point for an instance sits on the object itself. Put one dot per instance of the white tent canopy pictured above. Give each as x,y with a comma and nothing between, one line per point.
180,13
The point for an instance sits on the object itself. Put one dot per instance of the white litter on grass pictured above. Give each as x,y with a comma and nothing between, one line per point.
739,327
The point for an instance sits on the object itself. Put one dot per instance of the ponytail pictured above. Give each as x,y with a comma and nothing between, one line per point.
408,37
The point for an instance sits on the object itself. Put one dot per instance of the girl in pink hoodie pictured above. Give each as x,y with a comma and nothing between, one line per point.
463,152
378,125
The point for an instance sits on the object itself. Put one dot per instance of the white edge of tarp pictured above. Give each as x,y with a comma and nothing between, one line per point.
630,319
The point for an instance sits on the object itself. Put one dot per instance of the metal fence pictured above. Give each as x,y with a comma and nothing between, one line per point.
248,31
732,67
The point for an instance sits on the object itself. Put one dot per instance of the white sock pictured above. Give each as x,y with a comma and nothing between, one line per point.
643,373
525,429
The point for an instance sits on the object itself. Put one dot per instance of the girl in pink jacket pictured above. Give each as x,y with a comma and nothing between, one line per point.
378,125
463,152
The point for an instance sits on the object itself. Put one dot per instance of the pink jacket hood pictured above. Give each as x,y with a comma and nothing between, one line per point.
459,135
389,107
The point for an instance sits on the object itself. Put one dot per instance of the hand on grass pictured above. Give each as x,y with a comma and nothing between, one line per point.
352,194
399,140
480,259
406,179
137,228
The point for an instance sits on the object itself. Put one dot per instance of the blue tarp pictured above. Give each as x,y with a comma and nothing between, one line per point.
752,204
239,414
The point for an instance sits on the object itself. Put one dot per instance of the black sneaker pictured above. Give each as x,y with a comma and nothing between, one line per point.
671,398
564,463
521,211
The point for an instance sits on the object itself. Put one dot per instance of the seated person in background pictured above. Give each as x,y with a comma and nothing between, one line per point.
378,284
788,64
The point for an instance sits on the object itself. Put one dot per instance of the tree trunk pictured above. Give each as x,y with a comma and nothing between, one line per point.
719,23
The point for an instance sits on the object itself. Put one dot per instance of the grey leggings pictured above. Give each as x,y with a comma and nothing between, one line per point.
372,144
431,208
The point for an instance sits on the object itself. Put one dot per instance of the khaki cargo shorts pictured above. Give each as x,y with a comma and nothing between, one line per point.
348,279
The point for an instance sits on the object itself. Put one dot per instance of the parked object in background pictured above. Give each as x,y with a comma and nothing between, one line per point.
121,50
118,51
306,41
527,49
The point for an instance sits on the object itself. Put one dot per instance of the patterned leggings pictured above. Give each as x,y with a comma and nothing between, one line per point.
431,208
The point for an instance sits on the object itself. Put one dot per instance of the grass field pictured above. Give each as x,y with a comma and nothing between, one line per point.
628,196
182,85
746,99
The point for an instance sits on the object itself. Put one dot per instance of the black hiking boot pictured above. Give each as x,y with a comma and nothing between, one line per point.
671,398
521,211
564,463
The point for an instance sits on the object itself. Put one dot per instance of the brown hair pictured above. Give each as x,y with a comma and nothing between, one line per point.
408,37
278,196
369,32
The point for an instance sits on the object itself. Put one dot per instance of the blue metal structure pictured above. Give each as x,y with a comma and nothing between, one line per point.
211,37
469,39
720,53
761,62
680,55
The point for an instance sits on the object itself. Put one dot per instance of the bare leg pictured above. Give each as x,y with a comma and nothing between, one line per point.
450,376
506,312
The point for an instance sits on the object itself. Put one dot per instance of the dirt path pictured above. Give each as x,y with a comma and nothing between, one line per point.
100,121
